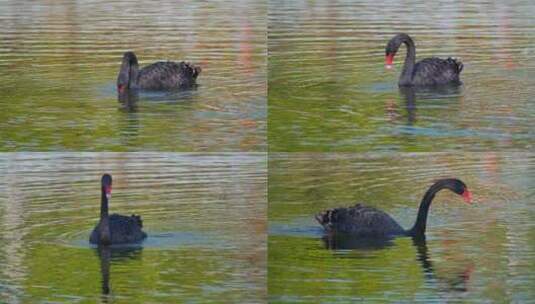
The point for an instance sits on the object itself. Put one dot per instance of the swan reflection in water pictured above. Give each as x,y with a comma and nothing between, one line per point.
459,282
129,98
115,254
132,117
411,96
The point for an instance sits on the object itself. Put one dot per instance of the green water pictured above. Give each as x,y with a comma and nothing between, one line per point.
194,165
329,90
479,252
59,63
205,216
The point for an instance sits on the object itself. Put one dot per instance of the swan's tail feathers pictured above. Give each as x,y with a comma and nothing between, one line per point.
457,63
459,66
325,218
190,69
319,218
197,71
138,220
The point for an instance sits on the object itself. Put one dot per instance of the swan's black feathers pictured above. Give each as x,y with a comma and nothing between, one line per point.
138,220
123,230
359,221
168,75
436,71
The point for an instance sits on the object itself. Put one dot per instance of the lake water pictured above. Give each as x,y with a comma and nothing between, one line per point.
329,90
59,63
205,216
314,71
482,252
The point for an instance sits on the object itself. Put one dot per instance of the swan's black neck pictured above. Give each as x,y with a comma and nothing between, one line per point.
129,72
418,230
410,60
104,218
133,75
103,204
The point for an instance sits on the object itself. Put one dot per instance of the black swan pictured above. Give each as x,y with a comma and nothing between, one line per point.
362,221
427,72
115,228
157,76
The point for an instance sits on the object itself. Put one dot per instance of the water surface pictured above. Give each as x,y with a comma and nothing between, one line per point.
329,91
59,62
482,252
205,216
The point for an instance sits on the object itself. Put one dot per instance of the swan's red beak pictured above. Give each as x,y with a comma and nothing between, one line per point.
107,189
389,59
121,88
467,196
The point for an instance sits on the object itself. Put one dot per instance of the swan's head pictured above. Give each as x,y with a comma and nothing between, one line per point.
457,186
128,71
392,48
106,184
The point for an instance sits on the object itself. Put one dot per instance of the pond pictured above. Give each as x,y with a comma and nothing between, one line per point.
482,252
59,63
329,89
205,216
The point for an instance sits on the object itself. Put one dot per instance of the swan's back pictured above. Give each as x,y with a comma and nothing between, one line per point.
168,75
436,71
123,230
360,221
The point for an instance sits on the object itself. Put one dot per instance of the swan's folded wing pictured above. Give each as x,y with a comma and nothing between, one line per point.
189,70
168,75
359,220
125,229
342,219
436,71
